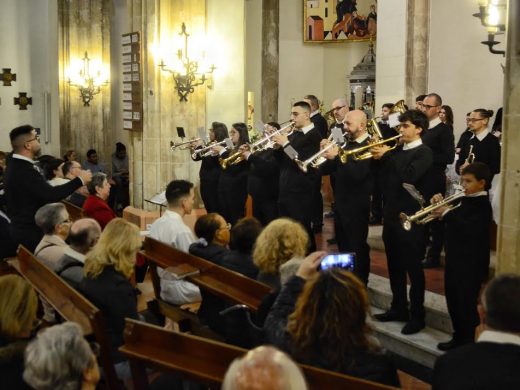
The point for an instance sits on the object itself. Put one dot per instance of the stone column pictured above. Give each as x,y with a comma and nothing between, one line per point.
508,241
270,59
417,49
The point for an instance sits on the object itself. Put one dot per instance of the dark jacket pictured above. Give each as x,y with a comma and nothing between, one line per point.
113,294
211,252
486,151
320,124
241,263
11,364
70,270
263,178
371,365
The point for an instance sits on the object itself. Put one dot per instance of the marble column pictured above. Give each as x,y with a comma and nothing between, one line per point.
508,241
417,49
270,58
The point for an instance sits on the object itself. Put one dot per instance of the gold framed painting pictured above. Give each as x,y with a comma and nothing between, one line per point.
339,20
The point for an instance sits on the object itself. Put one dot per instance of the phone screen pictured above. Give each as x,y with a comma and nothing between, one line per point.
338,260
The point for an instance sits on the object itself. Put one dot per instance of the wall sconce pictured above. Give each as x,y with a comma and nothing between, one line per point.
187,75
492,15
89,85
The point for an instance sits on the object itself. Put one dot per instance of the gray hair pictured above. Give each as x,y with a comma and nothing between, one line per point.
48,216
97,181
57,358
266,366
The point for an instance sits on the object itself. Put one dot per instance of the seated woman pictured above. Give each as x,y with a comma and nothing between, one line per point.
54,172
18,305
96,205
320,319
60,358
106,284
243,238
213,232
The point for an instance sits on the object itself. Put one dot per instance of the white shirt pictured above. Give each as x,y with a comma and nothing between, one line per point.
314,113
58,181
20,157
434,122
413,144
494,336
307,128
361,138
481,135
172,230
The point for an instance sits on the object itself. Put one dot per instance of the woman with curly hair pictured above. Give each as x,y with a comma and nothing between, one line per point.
320,319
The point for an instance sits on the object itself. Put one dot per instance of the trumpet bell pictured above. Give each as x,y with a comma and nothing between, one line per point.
405,222
302,165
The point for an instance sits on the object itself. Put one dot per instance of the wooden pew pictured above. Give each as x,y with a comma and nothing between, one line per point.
74,211
70,304
220,281
206,361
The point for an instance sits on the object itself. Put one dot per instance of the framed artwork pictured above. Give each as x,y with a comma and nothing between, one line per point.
339,20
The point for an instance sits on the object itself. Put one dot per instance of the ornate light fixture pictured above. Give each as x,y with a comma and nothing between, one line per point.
187,75
492,15
89,85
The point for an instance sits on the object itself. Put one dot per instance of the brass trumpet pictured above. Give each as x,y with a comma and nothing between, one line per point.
471,156
363,152
425,214
182,145
206,151
318,158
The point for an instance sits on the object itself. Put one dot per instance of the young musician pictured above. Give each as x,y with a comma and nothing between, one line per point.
296,187
354,183
467,252
408,163
210,169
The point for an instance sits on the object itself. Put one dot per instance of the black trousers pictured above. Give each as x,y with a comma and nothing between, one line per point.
434,230
351,236
265,210
404,253
317,204
298,206
209,195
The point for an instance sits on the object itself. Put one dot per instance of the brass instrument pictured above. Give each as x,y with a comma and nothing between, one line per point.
183,145
425,214
471,156
206,151
363,152
318,158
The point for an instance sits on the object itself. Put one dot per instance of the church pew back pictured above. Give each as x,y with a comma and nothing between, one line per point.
218,280
70,304
204,360
74,211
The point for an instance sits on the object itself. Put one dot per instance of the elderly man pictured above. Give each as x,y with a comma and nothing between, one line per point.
83,235
26,190
71,170
266,368
54,221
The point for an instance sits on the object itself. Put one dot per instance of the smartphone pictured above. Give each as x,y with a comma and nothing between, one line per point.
338,260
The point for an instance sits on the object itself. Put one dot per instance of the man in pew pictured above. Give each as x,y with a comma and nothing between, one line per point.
492,362
172,230
266,368
84,234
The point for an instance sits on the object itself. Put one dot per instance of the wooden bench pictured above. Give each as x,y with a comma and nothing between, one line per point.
71,305
204,360
74,211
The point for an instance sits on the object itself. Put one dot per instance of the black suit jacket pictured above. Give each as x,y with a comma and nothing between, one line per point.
482,365
320,124
263,178
441,141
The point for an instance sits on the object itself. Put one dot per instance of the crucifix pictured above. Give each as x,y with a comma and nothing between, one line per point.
22,100
7,77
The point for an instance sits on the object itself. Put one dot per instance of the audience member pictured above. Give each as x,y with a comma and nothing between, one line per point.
54,173
492,362
264,368
172,230
320,318
92,163
60,358
96,205
120,175
243,237
54,221
26,190
83,235
71,170
106,284
18,305
70,156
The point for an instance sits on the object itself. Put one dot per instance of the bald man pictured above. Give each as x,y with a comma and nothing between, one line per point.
352,191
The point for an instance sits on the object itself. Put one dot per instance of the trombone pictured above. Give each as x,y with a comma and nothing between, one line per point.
425,214
183,145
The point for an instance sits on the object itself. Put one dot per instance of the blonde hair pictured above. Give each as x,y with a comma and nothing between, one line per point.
18,305
279,242
117,247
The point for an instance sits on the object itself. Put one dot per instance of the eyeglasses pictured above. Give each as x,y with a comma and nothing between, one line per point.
338,108
66,221
427,106
474,119
36,138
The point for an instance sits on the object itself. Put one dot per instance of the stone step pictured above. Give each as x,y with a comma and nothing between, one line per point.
420,348
437,316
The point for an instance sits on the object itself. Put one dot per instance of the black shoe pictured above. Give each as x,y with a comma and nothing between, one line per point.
391,315
413,326
453,343
431,263
332,241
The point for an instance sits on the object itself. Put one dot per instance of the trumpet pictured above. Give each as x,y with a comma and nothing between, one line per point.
471,156
318,158
182,145
425,214
206,151
363,152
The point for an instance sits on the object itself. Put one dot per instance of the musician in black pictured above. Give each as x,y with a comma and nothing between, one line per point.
352,193
439,137
296,187
484,145
210,169
408,163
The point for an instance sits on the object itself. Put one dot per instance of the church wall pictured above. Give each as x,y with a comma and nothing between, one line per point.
253,51
28,45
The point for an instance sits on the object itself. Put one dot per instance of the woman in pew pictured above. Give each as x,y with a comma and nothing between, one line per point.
18,305
106,284
320,319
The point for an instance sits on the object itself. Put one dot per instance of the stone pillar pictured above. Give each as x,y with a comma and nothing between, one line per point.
270,59
417,49
508,241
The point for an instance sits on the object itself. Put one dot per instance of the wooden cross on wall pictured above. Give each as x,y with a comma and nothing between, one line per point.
6,76
22,100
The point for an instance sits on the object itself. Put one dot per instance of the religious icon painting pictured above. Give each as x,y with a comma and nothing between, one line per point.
339,20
